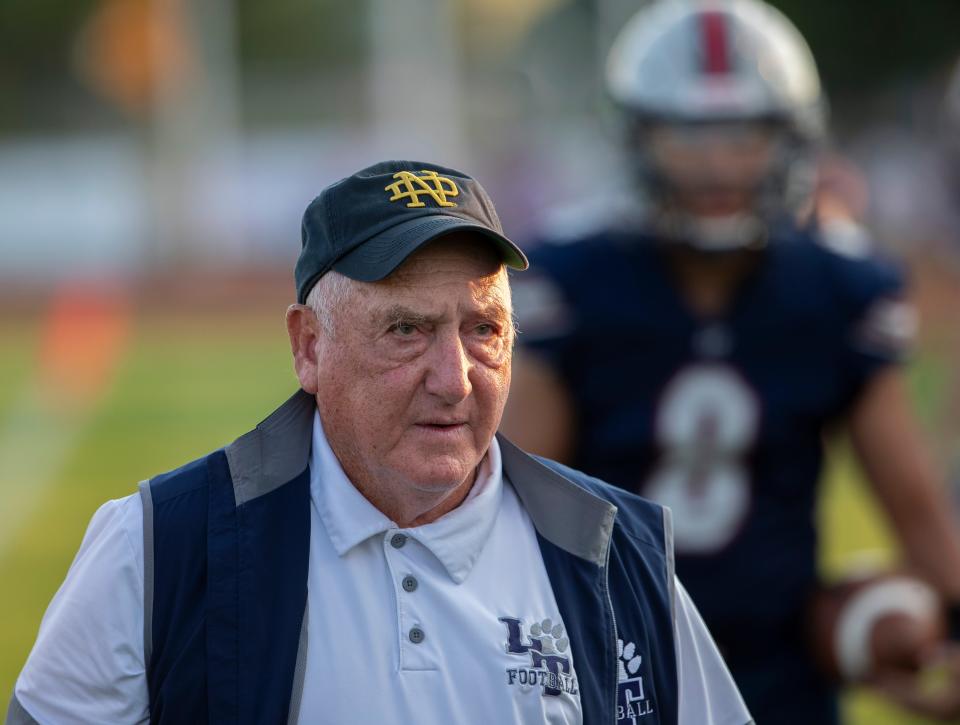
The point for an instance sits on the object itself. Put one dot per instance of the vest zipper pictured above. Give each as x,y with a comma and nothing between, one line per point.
613,622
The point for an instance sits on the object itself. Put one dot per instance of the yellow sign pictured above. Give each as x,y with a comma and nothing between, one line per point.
413,187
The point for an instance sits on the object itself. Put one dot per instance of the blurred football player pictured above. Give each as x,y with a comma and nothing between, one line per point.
695,348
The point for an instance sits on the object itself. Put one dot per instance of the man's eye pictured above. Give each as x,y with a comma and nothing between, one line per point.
404,329
485,329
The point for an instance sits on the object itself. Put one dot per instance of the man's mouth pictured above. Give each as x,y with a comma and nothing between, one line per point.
442,425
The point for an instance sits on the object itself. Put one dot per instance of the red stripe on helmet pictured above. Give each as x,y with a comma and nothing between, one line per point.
716,46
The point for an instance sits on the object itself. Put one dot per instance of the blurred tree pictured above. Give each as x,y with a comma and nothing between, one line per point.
296,34
862,45
302,60
36,38
35,35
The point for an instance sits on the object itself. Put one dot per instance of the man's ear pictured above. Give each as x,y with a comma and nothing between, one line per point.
303,329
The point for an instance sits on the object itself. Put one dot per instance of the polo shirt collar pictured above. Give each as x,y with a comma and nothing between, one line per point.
456,538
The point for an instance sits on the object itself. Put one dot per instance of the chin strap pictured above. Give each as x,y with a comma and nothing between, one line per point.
720,234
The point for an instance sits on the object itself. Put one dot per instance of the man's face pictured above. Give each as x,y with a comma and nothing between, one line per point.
713,170
412,382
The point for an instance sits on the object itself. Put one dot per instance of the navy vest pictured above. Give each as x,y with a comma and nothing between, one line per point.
226,549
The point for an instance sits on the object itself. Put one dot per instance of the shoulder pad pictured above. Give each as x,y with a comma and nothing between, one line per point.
846,238
540,307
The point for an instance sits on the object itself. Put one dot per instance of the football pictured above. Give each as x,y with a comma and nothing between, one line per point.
862,626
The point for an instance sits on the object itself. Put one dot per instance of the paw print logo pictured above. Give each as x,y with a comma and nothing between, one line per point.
552,639
628,661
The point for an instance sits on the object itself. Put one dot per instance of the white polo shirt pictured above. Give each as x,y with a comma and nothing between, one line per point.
404,625
410,619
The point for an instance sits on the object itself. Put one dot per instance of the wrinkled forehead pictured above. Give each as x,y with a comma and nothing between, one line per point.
454,274
457,260
467,252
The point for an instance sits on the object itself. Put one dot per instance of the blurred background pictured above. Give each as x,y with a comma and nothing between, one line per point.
156,157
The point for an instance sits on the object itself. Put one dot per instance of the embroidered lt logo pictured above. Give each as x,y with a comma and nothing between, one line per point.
632,705
545,646
411,186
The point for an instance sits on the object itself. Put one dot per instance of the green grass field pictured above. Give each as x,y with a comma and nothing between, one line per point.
187,385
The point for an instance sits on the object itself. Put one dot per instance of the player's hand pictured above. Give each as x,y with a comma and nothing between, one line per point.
931,690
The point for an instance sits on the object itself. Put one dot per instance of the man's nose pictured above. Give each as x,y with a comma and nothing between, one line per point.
715,163
449,375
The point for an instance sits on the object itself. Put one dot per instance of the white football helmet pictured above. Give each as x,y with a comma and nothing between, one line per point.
699,65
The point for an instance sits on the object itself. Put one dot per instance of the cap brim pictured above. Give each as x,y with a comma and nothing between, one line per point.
379,256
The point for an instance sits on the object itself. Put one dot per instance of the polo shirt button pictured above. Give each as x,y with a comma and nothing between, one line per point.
398,540
417,635
409,584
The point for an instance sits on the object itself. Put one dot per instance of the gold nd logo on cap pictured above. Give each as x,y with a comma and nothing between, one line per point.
428,182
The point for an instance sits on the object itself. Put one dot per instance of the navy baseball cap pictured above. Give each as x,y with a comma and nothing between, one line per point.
365,225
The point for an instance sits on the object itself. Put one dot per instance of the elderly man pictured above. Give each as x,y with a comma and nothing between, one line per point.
371,552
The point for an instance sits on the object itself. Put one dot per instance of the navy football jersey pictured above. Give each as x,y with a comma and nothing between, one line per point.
720,419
